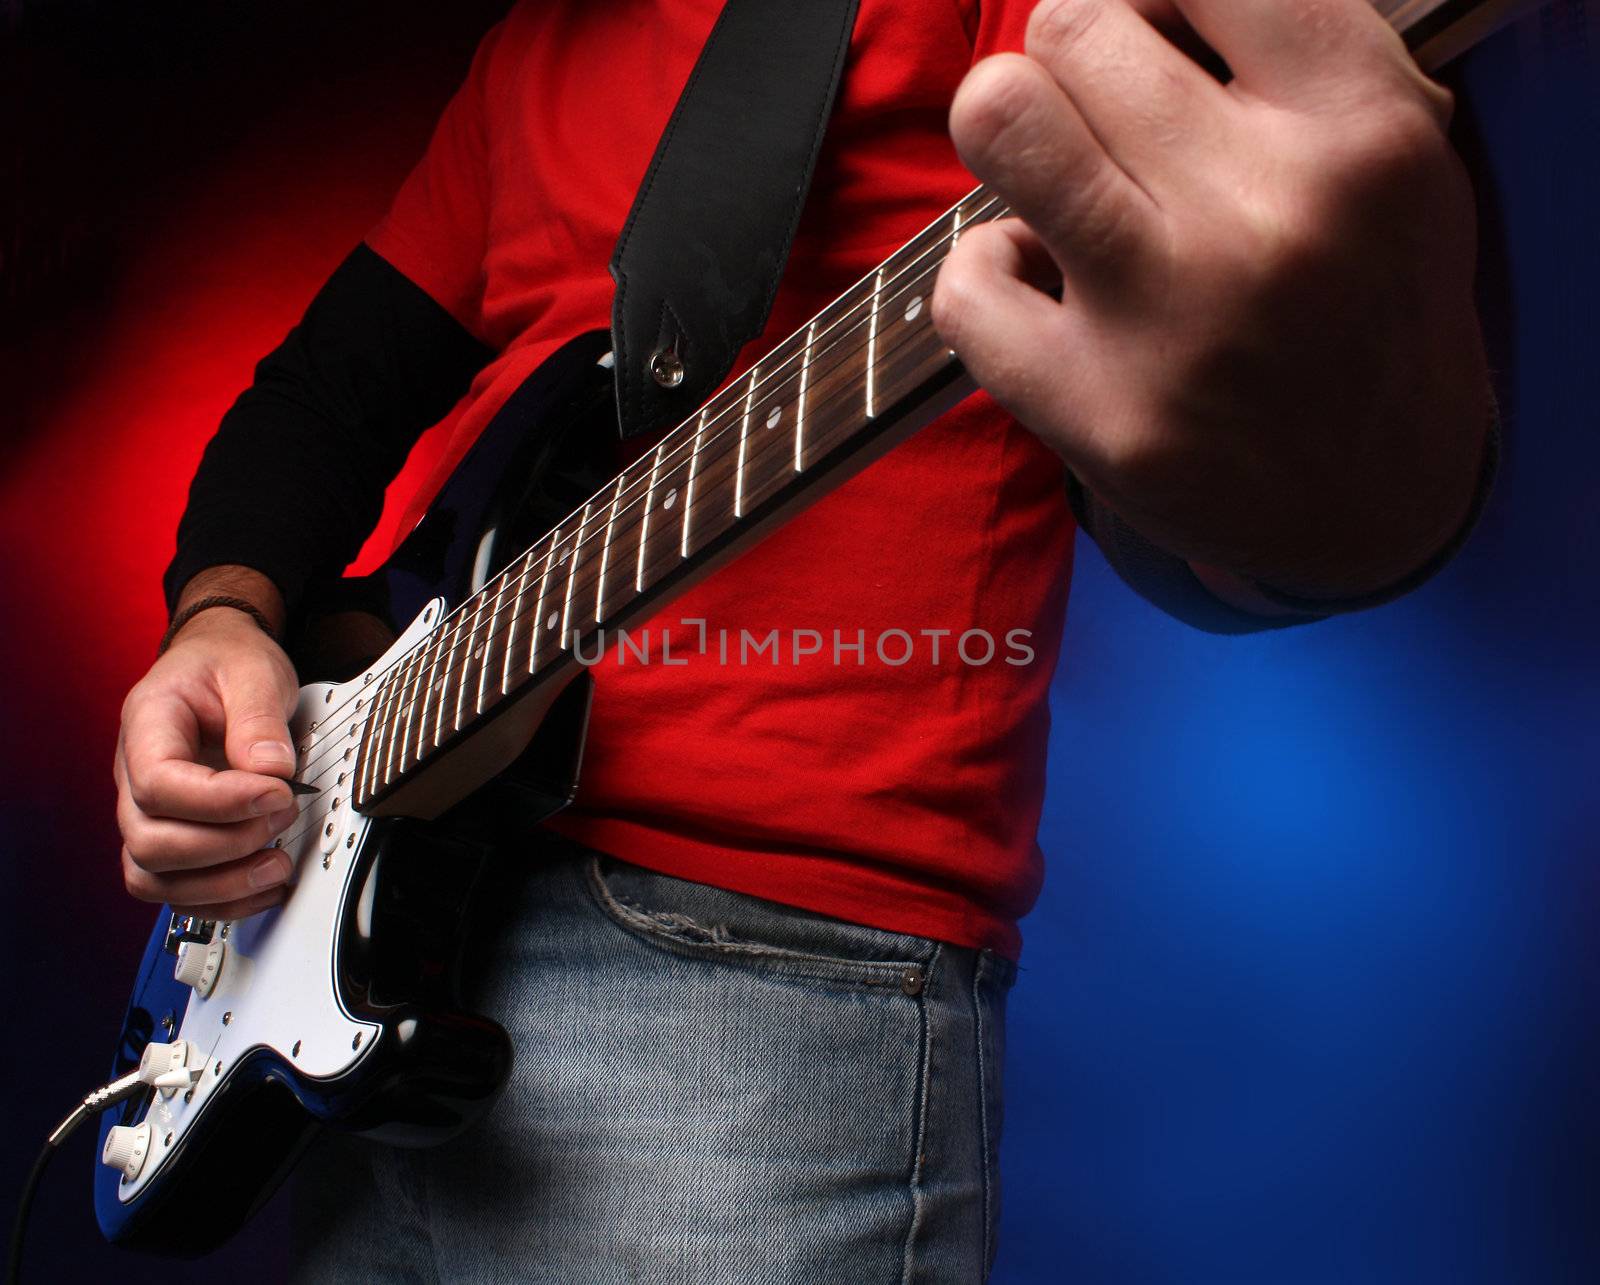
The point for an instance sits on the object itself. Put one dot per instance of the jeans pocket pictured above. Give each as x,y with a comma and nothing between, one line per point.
700,921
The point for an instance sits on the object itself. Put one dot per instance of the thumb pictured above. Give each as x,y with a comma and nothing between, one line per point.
257,698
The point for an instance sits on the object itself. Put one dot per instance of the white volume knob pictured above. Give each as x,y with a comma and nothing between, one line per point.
126,1149
198,965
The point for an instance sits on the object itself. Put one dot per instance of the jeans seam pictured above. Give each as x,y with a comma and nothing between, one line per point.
664,931
983,1109
920,1128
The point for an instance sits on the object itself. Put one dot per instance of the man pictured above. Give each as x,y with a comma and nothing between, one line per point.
764,1044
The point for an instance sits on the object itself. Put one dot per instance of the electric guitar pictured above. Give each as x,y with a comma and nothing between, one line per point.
338,1007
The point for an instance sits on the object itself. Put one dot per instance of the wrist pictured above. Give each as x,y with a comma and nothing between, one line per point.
222,592
1268,597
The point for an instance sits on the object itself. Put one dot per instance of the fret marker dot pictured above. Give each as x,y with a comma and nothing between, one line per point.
477,651
550,620
774,415
563,556
672,498
914,308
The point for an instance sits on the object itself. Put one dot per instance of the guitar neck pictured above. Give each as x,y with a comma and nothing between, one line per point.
1438,30
851,382
854,380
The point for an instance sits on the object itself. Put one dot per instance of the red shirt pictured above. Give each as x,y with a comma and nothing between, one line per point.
906,795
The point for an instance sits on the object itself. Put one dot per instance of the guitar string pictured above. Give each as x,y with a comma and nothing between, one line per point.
316,768
335,755
786,372
437,638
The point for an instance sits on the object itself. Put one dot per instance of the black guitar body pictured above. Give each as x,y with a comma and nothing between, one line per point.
432,1069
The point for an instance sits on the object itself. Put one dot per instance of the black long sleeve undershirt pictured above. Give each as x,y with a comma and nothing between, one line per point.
293,482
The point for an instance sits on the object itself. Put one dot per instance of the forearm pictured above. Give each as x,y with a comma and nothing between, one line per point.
294,479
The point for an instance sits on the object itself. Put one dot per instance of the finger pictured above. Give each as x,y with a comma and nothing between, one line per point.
1151,106
253,877
1009,335
160,844
1017,130
1291,48
159,745
257,699
241,909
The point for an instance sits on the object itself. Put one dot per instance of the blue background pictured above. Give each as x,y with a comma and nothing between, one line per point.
1311,994
1313,989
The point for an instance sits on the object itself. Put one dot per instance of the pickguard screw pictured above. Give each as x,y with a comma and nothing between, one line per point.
227,1018
189,1096
295,1052
217,1069
356,1042
167,1024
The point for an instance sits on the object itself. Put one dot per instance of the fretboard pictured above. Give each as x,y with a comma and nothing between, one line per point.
792,416
826,392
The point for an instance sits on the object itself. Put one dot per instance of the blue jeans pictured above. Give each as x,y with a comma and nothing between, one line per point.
709,1088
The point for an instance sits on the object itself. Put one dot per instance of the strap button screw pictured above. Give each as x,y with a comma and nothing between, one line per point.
666,368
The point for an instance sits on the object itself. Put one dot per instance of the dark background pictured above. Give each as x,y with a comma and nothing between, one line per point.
1312,992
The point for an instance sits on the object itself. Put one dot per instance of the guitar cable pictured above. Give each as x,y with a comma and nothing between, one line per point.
147,1075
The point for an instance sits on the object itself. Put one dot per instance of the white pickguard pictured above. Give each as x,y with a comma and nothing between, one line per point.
276,986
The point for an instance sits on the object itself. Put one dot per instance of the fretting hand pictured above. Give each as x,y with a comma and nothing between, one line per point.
1265,356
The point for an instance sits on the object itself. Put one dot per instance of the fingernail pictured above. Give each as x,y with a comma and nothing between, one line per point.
265,755
269,871
266,802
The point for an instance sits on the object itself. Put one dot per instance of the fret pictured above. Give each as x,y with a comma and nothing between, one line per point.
872,343
394,727
377,731
498,640
660,546
435,691
471,654
526,562
800,410
694,468
493,640
605,550
572,576
644,518
540,627
396,760
744,442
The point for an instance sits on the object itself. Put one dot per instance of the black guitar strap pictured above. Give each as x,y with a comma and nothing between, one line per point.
698,261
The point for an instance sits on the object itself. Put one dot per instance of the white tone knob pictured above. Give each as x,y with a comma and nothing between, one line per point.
199,963
126,1149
